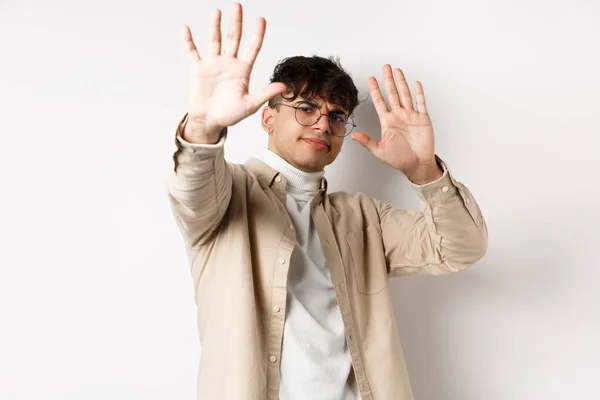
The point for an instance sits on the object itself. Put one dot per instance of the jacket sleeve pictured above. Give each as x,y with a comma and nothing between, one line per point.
199,184
449,235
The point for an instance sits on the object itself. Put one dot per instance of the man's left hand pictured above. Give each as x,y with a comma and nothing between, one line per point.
407,142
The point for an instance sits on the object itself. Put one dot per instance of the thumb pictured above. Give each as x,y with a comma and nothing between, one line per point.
266,93
368,142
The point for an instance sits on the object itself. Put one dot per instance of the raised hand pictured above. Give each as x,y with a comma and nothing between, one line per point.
407,141
218,92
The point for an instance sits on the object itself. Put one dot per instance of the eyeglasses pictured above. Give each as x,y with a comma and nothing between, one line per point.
308,115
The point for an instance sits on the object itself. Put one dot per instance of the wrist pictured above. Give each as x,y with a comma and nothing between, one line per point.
426,173
199,132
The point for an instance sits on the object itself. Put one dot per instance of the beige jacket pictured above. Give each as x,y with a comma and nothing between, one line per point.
239,241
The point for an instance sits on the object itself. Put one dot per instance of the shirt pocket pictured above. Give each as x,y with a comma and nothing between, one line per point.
368,260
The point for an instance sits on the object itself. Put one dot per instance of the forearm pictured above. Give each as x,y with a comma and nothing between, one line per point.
454,218
449,235
199,185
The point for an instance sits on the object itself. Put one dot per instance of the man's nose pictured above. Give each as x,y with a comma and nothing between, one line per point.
323,124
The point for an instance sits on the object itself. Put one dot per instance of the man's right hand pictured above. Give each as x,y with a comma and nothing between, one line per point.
218,94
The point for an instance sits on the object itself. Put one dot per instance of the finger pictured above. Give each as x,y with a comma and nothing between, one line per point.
255,44
366,141
421,104
390,87
215,34
235,30
405,97
190,47
268,92
378,100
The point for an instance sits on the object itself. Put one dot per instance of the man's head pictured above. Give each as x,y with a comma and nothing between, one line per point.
315,85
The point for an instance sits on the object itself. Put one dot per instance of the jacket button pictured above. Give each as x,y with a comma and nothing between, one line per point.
282,261
273,359
445,189
278,179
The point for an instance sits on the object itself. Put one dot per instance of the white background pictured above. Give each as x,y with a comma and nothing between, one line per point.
96,298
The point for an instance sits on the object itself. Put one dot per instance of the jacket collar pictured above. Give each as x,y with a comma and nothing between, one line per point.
267,175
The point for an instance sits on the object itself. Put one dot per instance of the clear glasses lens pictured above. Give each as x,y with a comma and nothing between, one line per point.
340,124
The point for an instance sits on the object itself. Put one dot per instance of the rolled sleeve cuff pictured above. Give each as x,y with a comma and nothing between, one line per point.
438,190
185,152
443,189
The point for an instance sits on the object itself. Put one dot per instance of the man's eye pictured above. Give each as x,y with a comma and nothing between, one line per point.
338,118
307,109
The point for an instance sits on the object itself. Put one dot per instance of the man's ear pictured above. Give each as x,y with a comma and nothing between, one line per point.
268,119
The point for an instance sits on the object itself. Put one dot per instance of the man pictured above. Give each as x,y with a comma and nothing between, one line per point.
291,282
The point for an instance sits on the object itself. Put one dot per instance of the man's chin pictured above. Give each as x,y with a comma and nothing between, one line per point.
309,165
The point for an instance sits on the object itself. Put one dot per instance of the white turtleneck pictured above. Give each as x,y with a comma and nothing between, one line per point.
315,362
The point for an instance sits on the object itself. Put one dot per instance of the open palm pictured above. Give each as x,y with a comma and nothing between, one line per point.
218,95
407,140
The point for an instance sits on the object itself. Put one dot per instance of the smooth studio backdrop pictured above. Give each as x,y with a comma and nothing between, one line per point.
96,298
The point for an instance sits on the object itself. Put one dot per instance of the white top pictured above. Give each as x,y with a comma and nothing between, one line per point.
315,362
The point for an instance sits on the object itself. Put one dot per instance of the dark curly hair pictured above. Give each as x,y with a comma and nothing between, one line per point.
315,76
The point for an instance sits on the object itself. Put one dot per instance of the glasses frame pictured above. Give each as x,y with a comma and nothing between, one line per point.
349,120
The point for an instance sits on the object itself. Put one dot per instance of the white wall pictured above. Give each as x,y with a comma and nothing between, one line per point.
95,294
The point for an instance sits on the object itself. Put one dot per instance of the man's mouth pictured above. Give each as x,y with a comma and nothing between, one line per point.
317,144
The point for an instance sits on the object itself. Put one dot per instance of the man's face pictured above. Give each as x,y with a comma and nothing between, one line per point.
302,146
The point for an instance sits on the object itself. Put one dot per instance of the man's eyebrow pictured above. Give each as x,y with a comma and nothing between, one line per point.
336,109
